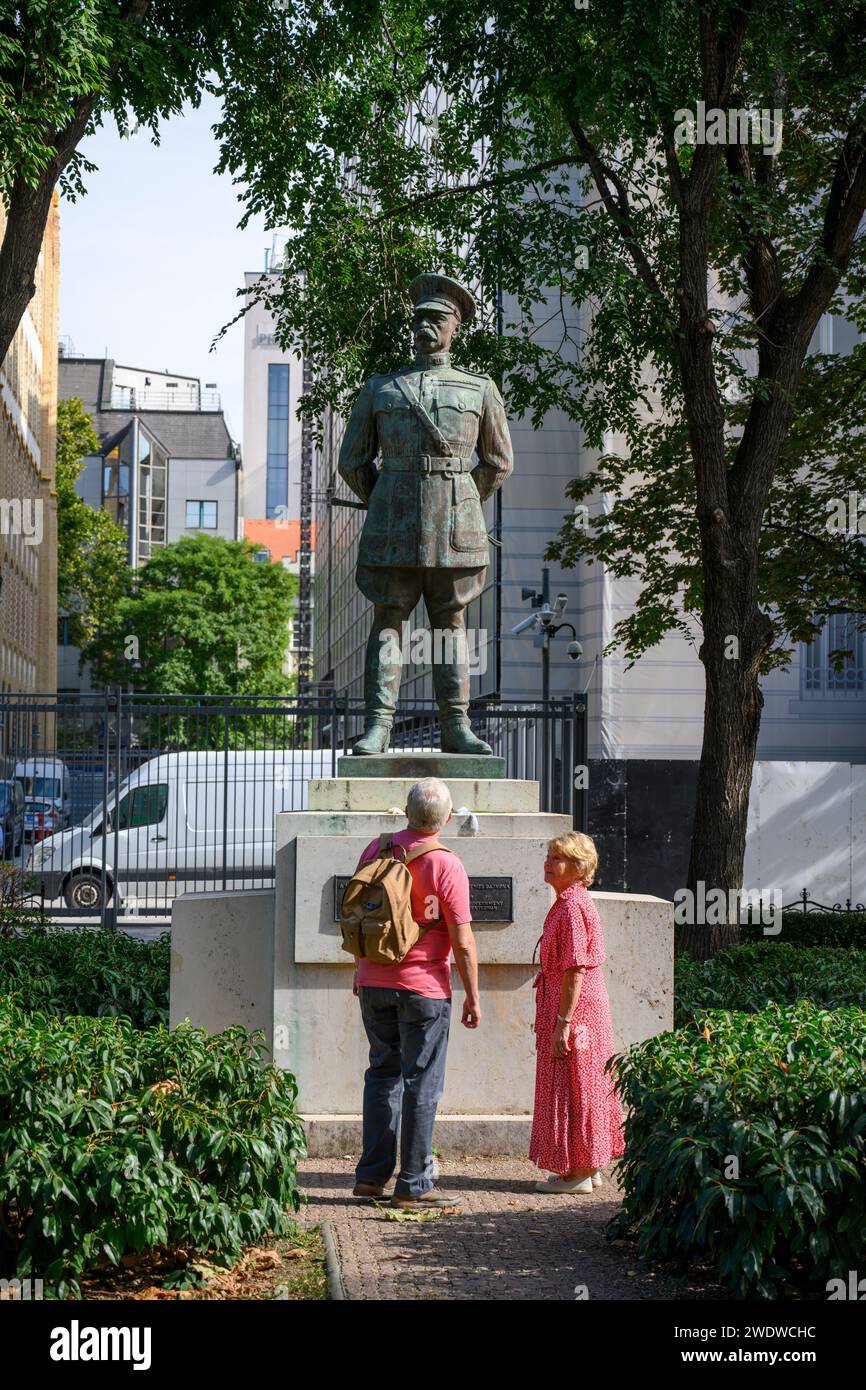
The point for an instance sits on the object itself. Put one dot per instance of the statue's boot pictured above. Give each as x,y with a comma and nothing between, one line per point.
451,684
381,689
457,737
375,738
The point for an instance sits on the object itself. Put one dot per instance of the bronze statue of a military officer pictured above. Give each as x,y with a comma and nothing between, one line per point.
425,531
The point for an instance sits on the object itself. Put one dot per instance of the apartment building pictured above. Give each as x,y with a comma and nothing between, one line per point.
278,461
167,465
28,502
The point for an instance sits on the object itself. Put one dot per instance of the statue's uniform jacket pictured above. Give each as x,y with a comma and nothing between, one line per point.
419,516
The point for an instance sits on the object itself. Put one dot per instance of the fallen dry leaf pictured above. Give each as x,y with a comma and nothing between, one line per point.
267,1259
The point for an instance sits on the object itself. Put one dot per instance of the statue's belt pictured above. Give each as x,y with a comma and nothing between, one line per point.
427,463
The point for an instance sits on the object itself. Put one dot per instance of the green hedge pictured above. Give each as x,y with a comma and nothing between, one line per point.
846,929
61,971
114,1140
749,977
783,1093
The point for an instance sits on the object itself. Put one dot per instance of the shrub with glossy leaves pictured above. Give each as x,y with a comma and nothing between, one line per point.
58,971
114,1140
745,1146
750,977
799,928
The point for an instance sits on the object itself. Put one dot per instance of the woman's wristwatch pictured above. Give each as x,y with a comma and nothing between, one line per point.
563,1019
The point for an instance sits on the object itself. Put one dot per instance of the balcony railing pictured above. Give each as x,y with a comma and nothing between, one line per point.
171,398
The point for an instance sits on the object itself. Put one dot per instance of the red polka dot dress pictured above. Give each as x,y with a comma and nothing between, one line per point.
577,1121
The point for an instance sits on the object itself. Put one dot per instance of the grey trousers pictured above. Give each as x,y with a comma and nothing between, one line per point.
408,1037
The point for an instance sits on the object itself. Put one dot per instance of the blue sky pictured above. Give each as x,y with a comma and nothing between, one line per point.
152,257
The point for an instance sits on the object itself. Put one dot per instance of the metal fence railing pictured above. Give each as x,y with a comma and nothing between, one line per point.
114,803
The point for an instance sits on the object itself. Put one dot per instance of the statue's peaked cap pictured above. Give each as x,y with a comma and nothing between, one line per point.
435,291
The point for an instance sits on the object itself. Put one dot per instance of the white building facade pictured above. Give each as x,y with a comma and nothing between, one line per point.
272,433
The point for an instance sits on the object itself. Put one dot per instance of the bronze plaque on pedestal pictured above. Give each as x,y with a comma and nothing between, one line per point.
491,898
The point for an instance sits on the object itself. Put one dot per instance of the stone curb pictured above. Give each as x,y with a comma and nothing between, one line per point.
336,1288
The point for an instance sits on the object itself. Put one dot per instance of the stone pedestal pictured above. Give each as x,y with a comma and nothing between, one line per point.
317,1031
423,763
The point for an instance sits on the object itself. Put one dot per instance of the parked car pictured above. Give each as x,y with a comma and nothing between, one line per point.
47,779
41,818
11,818
181,822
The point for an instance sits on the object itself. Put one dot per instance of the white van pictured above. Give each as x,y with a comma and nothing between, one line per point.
47,779
182,822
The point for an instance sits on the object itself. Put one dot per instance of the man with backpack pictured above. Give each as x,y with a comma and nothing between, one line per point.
402,922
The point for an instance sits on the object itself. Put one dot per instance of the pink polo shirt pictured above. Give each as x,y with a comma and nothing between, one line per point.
440,882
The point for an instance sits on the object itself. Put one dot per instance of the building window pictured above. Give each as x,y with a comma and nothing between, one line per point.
152,471
832,675
117,469
277,483
201,516
262,557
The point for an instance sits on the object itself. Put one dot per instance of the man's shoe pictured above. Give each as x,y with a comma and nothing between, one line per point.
457,737
368,1189
375,738
427,1201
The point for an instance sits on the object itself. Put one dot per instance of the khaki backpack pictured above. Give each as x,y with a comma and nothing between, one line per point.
376,908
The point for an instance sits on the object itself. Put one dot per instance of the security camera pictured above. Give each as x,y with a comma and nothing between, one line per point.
575,651
524,624
561,604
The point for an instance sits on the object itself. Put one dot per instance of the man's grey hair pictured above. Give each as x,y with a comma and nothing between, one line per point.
428,804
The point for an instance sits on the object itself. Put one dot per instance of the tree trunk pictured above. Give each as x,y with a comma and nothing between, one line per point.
29,207
736,636
19,254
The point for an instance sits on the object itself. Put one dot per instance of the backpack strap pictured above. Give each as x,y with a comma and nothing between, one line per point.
387,847
416,854
425,849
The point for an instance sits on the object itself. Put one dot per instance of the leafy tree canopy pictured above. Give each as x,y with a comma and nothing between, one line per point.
66,66
203,618
659,290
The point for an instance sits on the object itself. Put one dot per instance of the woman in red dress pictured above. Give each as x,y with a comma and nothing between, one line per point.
577,1121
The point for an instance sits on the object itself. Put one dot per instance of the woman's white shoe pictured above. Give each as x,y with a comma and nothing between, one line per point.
596,1178
555,1184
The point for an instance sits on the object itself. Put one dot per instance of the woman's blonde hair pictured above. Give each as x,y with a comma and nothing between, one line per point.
580,850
